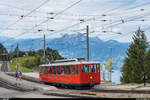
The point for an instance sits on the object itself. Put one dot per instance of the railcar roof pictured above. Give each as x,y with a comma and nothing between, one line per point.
70,63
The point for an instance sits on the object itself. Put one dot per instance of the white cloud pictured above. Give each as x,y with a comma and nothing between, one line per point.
83,10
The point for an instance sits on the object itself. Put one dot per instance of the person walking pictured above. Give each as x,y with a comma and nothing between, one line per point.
20,75
144,78
16,75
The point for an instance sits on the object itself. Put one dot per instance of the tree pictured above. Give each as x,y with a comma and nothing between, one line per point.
3,53
35,58
147,64
133,67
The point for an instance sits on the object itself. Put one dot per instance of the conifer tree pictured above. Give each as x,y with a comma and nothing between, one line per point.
133,67
147,64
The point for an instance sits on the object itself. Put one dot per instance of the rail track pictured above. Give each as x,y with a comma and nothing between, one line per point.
121,91
14,87
94,89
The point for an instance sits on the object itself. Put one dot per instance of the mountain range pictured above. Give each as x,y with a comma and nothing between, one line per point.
74,46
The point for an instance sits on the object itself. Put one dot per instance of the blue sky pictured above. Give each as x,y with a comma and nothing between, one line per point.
122,16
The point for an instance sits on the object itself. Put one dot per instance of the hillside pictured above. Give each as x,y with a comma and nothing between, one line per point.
21,64
71,46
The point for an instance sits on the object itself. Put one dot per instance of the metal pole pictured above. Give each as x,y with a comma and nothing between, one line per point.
110,63
103,75
44,50
108,76
17,56
87,41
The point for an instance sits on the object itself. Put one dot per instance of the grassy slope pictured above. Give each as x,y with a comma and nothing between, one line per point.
21,60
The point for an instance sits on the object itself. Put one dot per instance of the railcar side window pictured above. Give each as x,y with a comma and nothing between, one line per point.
54,70
50,70
62,69
73,69
67,69
58,69
77,69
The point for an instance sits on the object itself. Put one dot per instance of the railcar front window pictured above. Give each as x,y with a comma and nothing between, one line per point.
85,68
95,68
92,68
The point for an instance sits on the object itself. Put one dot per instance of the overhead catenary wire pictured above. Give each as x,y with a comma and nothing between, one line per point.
130,19
48,18
25,15
106,11
118,22
19,8
131,32
64,9
59,31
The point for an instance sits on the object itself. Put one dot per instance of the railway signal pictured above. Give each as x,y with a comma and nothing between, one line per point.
110,60
110,67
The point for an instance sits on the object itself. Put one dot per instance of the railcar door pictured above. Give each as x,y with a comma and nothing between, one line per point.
46,73
94,75
43,73
74,74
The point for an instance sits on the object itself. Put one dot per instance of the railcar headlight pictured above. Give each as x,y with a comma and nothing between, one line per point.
91,77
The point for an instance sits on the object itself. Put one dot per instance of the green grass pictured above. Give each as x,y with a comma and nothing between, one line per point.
130,83
21,61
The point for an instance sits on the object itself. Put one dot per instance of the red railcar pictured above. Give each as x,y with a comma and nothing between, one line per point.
74,73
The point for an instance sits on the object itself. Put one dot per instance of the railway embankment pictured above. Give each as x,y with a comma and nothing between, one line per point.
104,86
29,85
105,90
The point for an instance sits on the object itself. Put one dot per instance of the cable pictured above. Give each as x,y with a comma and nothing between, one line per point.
144,29
127,20
19,8
111,11
47,19
65,28
25,15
